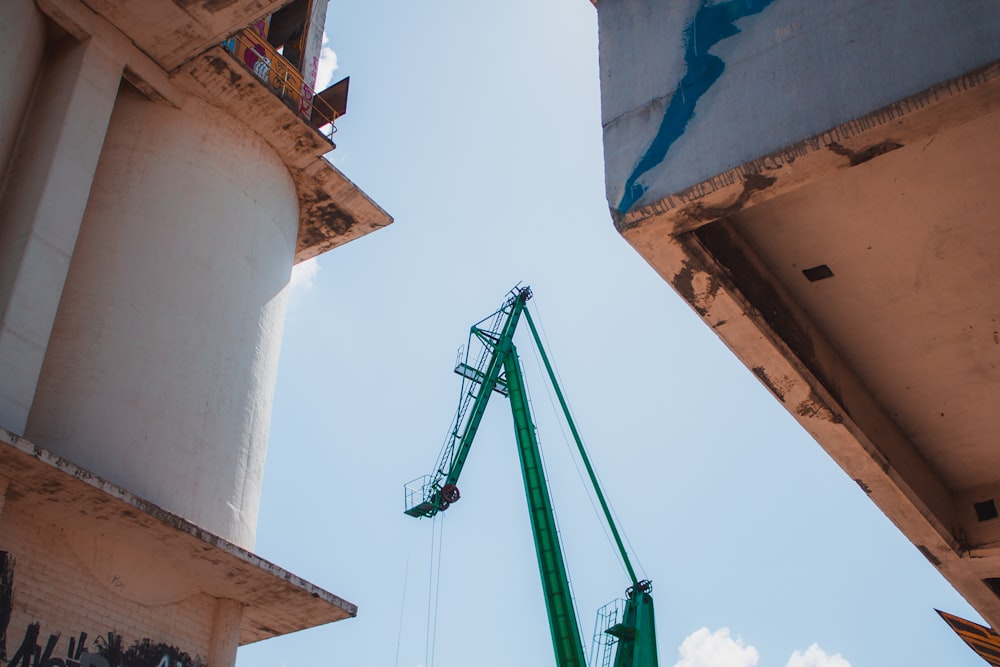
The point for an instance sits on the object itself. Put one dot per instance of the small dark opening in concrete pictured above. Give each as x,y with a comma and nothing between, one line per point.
994,585
986,510
821,272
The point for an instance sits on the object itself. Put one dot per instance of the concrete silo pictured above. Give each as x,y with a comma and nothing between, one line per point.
162,172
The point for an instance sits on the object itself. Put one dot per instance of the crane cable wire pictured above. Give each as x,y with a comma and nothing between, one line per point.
402,608
573,457
433,589
576,462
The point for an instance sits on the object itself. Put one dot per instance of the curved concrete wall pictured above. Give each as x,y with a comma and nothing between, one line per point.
160,372
22,33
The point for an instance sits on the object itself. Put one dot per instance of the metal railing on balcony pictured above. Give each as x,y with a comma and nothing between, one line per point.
255,53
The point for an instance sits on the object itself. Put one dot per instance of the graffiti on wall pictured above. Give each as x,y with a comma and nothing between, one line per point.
712,23
6,598
105,651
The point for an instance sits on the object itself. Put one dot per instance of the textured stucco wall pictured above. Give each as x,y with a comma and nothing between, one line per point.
160,371
691,88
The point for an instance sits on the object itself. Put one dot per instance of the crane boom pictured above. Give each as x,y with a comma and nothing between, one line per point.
497,369
551,565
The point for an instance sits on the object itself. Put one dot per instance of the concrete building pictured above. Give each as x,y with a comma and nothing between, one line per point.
819,181
162,166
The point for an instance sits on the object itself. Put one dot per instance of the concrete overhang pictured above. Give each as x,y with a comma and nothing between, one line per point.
56,492
332,209
171,32
855,274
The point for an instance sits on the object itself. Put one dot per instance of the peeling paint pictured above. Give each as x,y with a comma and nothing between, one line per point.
864,487
711,24
865,154
753,183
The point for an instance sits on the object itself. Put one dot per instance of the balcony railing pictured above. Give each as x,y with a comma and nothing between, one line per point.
261,58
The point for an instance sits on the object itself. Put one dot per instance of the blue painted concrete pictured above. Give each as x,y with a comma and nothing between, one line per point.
711,24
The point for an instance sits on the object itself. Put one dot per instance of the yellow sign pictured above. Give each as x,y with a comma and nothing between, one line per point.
984,641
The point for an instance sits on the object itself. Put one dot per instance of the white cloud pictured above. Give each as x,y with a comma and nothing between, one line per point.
703,648
303,278
327,65
814,656
716,649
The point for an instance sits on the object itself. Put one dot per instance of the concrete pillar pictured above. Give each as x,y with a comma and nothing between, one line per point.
225,637
22,33
161,366
41,208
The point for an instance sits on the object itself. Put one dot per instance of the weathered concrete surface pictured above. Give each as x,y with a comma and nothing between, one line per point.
692,89
172,32
157,556
854,273
333,210
209,188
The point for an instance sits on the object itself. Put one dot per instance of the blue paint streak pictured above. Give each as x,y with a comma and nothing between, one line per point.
710,25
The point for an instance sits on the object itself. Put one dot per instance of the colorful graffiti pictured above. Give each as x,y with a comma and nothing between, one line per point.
251,48
105,651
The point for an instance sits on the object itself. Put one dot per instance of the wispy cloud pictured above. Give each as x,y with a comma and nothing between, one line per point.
327,65
303,278
814,656
703,648
716,649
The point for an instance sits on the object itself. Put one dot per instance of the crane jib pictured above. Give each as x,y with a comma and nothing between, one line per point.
627,636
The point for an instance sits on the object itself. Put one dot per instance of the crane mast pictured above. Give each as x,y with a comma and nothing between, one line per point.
629,627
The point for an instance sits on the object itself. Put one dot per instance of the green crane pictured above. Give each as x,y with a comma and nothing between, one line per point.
627,627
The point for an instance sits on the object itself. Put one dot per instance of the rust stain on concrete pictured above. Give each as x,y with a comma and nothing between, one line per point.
768,382
700,299
814,407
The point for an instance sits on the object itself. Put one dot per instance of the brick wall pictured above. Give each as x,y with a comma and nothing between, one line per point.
57,582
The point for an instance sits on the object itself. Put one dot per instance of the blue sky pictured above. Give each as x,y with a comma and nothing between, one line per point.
477,126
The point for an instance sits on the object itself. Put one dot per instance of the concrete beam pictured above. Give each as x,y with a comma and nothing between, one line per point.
172,32
225,637
42,206
78,20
